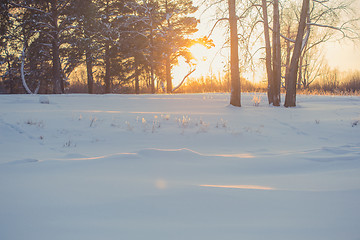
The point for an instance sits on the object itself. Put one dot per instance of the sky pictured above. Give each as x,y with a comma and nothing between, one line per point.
343,55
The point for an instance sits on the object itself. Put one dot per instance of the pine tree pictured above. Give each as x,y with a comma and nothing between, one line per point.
48,19
115,18
84,47
176,27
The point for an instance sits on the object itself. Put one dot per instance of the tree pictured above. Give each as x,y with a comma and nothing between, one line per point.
268,58
4,21
276,56
291,77
324,15
49,19
149,17
272,53
175,29
84,38
115,20
235,98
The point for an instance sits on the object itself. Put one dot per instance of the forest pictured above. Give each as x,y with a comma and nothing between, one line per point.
131,46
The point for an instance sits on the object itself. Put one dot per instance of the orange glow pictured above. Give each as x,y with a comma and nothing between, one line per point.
160,184
202,61
239,155
199,52
252,187
93,158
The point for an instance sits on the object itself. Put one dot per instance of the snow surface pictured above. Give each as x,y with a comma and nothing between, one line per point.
156,167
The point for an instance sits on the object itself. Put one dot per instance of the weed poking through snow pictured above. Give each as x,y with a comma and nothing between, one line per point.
128,126
38,124
69,144
256,100
221,124
92,121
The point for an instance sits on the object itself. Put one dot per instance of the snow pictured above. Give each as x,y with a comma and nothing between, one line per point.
179,167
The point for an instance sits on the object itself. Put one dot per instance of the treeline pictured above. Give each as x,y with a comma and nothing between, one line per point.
330,82
118,41
203,84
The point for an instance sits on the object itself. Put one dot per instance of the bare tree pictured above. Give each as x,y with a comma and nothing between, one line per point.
291,77
235,98
268,62
276,55
324,15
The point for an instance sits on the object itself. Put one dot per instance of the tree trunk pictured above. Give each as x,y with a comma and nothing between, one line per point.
137,85
58,86
168,54
89,69
168,75
26,87
276,55
107,79
290,99
269,70
235,98
299,80
288,54
152,80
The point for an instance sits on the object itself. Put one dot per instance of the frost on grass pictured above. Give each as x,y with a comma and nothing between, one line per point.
69,144
159,123
221,124
36,123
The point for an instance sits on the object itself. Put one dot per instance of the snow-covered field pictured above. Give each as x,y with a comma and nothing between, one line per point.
178,167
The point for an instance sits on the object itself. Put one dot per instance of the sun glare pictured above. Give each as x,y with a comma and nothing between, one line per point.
199,52
202,60
246,187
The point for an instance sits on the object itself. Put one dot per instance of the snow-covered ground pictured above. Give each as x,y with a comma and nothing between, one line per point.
178,167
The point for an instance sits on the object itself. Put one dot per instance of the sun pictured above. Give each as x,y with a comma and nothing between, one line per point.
202,63
199,52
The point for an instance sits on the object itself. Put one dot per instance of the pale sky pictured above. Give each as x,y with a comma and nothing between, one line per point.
344,55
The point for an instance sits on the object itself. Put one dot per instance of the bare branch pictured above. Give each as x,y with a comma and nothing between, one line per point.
219,20
328,26
186,76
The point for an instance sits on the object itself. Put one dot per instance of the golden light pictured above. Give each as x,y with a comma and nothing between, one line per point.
199,52
248,187
161,184
202,61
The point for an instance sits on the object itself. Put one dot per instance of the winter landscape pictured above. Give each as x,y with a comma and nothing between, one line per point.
160,167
